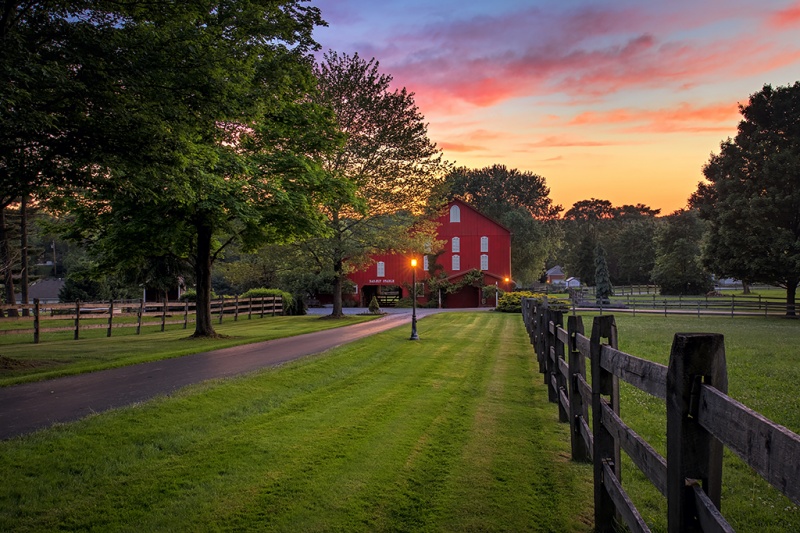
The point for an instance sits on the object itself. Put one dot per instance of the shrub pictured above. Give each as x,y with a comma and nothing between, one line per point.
374,306
261,292
190,295
404,302
511,302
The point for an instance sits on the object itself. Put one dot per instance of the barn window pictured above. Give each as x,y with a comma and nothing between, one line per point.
381,269
456,245
425,264
456,262
455,214
485,262
484,244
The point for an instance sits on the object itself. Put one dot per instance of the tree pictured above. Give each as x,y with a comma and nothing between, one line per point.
603,290
678,269
625,232
521,202
34,112
209,134
387,157
751,198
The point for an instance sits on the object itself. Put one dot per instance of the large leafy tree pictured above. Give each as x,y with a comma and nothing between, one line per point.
208,136
518,200
752,195
387,156
678,268
42,107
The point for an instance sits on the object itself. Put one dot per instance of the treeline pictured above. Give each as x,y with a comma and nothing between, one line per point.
638,246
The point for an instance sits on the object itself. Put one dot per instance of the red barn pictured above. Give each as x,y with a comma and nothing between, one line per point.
473,242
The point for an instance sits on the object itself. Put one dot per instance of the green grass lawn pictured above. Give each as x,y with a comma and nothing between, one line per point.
61,355
763,360
451,433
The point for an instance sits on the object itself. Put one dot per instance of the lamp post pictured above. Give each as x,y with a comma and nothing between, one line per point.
414,336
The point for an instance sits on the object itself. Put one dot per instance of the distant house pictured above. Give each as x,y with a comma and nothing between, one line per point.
46,290
573,283
474,242
556,276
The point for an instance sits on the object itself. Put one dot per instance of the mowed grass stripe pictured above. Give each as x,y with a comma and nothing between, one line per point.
450,433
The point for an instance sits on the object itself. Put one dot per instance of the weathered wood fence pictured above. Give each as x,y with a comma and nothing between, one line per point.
701,419
114,313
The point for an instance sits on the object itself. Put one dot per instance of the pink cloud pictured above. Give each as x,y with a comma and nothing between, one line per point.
786,18
584,54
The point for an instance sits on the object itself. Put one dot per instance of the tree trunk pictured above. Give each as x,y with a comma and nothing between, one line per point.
203,326
338,282
338,269
7,264
745,287
791,292
24,281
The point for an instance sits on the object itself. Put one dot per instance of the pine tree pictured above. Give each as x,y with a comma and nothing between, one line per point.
602,278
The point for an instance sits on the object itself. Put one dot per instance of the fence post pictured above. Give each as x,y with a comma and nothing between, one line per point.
77,319
250,308
693,455
606,448
561,380
164,304
550,358
578,411
139,318
541,329
273,306
185,314
262,306
221,308
36,311
236,310
110,317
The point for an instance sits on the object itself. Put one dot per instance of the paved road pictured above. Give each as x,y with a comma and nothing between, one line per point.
31,406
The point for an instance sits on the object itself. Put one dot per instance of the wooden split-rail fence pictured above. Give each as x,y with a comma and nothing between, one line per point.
116,314
701,420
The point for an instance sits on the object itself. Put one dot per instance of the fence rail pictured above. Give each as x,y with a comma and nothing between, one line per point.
682,305
115,310
701,420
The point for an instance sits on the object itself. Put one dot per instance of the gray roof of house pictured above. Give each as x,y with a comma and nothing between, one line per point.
44,289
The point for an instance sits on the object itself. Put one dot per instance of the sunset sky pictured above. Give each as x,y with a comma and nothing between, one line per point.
619,100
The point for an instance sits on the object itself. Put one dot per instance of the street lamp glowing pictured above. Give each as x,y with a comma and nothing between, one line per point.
414,336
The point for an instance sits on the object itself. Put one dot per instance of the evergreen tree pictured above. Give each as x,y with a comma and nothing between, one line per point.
603,289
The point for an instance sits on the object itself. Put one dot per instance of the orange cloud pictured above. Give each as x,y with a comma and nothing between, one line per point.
685,117
565,141
459,147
